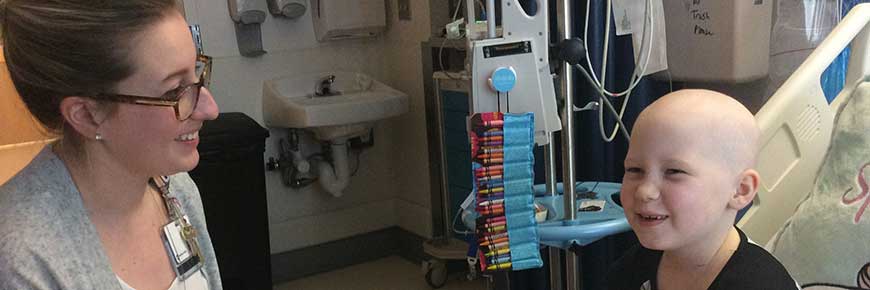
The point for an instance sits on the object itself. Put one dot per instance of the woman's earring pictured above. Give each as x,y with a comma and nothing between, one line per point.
98,137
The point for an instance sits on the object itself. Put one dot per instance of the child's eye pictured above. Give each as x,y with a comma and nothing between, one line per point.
633,170
671,171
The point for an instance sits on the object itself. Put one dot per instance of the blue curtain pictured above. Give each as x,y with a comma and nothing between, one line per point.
834,76
594,158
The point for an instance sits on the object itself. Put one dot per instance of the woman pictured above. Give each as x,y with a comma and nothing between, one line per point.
121,83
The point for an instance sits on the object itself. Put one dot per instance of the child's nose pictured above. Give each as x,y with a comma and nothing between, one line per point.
647,191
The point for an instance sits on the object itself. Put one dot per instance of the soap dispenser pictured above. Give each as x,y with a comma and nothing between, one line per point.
248,15
287,8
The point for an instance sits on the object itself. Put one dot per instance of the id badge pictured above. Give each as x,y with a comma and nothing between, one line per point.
181,249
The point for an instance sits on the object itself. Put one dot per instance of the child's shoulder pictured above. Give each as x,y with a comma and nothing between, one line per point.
752,267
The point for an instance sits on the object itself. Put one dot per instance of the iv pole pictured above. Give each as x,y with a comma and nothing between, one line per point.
563,17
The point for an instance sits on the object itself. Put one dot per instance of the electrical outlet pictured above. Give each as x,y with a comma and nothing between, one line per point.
404,9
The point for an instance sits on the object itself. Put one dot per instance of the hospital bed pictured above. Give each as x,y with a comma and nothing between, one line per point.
797,124
810,208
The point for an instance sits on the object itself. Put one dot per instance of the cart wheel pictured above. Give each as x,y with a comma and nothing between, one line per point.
436,276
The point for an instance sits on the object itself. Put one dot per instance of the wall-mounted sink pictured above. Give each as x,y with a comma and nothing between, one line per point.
355,102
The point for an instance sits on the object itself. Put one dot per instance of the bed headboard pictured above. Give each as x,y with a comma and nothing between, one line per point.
22,136
797,123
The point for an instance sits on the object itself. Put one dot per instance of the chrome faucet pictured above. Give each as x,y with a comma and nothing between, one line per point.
324,86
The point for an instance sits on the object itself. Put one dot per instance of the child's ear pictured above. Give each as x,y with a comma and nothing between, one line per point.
746,189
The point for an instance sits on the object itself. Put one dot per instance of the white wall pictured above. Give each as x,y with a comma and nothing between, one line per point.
391,188
404,71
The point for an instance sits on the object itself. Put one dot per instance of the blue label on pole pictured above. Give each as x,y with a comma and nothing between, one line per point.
504,79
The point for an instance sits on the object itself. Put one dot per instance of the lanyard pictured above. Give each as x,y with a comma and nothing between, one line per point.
188,232
172,204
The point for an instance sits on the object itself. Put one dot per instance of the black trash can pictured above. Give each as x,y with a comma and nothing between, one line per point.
231,181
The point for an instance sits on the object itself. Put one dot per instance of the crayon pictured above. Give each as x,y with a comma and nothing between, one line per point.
483,220
492,237
489,173
495,219
498,259
484,231
492,212
502,240
494,123
490,207
496,196
498,246
493,225
498,252
490,184
490,202
492,150
491,155
495,229
493,133
499,266
493,161
488,178
491,190
490,168
496,241
491,138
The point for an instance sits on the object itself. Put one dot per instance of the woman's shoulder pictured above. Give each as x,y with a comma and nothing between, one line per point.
44,229
40,200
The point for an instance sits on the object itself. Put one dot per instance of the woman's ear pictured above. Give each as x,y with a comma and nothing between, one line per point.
83,115
746,189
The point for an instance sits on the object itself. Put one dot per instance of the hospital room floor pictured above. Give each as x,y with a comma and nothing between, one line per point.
390,273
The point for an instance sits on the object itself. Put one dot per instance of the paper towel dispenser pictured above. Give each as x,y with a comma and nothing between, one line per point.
342,19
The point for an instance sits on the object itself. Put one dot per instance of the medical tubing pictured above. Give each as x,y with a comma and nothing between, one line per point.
453,224
630,88
444,41
606,101
606,44
589,61
636,78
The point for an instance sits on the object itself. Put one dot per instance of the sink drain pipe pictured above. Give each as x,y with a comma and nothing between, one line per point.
334,176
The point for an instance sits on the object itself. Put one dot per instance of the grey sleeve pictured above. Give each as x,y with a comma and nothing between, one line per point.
188,195
20,271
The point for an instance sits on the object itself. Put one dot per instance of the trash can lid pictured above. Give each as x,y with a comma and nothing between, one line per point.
233,129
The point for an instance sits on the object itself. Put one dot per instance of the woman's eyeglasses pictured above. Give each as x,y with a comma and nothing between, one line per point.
183,99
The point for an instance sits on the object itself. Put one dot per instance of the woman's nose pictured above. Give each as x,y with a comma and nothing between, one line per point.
206,109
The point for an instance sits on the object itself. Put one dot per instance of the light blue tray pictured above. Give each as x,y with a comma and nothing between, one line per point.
588,227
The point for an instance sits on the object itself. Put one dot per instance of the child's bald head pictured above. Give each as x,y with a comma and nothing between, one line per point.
689,169
723,123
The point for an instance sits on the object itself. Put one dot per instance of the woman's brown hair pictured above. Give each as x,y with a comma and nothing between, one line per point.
60,48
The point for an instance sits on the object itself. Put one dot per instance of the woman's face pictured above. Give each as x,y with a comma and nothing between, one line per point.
150,140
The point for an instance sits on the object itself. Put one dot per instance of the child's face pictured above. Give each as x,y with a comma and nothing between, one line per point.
676,186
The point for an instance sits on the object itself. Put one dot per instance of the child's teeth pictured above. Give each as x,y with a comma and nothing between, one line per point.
654,217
